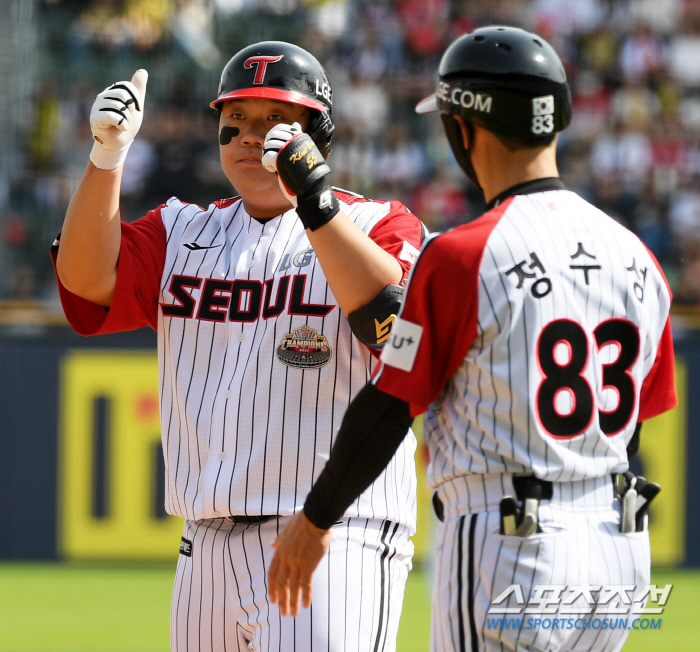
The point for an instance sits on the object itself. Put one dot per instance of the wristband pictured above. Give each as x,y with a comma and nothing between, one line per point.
108,159
317,206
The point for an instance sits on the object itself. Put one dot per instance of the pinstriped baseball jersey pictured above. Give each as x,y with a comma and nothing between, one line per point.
539,336
257,364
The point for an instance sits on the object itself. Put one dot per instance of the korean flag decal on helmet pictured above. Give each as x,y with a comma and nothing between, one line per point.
543,115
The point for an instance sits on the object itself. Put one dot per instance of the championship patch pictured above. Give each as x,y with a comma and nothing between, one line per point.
185,547
409,253
401,349
304,349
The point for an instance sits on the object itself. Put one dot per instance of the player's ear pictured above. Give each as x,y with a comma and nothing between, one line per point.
466,132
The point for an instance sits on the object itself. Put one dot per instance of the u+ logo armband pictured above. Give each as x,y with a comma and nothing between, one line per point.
401,349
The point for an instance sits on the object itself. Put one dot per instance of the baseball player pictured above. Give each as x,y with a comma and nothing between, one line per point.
537,339
269,308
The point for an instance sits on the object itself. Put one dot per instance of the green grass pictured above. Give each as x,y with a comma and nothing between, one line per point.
51,607
87,608
679,630
414,630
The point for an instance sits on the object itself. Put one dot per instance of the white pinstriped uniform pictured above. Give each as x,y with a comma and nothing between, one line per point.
220,379
220,594
257,367
536,337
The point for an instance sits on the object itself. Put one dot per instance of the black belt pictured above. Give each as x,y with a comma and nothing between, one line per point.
522,484
255,519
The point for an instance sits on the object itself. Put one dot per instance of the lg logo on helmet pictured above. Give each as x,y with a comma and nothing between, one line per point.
324,90
542,115
261,66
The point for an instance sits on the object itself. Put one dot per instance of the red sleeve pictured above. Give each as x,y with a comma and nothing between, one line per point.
139,272
442,299
658,393
399,233
659,388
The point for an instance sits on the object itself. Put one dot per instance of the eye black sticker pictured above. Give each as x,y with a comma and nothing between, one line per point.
228,134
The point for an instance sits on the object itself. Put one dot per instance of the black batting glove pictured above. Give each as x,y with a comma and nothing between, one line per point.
302,171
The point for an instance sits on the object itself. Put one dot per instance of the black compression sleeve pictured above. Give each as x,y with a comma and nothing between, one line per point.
373,428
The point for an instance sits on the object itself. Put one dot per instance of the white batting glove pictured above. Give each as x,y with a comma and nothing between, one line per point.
115,119
275,140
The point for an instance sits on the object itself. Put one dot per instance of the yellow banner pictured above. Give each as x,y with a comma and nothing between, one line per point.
663,456
122,522
110,493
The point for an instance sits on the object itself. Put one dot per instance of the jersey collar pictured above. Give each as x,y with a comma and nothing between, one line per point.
527,188
264,220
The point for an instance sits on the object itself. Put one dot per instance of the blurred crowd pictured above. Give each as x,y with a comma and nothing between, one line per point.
633,148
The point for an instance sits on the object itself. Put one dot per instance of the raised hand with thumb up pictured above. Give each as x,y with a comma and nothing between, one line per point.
115,119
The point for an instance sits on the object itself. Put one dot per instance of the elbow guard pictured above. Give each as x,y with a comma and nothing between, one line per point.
371,324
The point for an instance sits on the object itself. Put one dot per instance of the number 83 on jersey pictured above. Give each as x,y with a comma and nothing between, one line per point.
565,402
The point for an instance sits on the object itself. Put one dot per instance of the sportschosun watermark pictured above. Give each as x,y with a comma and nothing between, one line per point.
585,606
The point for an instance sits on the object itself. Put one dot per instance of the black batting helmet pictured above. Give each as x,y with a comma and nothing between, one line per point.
276,70
503,79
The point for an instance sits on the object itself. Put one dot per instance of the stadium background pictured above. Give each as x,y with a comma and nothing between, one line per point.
83,530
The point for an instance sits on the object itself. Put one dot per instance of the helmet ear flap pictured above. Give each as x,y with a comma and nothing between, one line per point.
321,130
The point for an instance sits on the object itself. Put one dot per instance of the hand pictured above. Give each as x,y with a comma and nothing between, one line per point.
300,547
275,140
301,171
115,119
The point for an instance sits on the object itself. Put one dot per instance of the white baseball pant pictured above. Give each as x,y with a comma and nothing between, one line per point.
220,598
580,544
